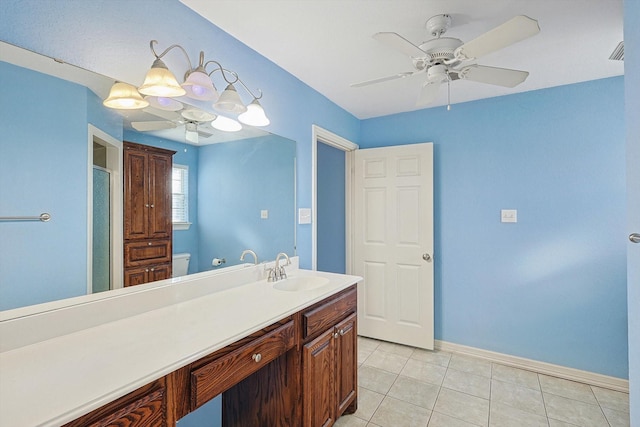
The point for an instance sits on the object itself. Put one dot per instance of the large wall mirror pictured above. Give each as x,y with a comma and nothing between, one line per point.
58,141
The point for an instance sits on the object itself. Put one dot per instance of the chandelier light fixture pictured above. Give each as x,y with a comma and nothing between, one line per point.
162,91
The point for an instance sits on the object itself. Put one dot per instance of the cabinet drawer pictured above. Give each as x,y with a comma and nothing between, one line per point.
327,315
147,252
215,377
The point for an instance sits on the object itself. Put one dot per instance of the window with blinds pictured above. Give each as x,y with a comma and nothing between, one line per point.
180,195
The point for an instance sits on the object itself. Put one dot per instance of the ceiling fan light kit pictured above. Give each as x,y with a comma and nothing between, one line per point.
445,59
161,88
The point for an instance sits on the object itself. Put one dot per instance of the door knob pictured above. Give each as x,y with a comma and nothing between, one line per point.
634,237
257,357
426,257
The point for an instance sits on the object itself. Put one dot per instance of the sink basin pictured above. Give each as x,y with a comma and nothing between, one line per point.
300,283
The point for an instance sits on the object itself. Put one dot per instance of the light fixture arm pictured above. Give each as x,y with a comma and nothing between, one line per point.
249,90
152,42
222,71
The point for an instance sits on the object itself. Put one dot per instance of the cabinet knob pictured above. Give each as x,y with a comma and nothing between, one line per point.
146,205
335,335
151,205
146,270
153,269
257,357
149,243
341,332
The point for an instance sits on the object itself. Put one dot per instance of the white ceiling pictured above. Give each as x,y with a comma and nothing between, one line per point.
327,44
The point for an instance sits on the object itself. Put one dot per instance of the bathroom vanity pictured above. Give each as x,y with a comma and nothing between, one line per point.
281,355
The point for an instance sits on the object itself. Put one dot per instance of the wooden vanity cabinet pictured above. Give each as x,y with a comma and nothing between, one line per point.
148,406
299,371
148,228
330,359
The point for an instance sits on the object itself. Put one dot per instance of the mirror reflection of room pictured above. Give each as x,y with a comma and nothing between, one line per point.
69,163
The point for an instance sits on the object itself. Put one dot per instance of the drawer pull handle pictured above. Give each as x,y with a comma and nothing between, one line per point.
257,357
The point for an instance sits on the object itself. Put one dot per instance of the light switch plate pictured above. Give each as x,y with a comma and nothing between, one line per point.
304,216
509,215
264,214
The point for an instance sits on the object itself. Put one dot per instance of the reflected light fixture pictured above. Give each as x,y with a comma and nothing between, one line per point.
124,96
161,86
164,103
226,124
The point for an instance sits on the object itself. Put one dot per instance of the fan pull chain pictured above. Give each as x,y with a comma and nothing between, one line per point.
448,93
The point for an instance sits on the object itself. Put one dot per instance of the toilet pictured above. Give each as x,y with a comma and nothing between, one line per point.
180,264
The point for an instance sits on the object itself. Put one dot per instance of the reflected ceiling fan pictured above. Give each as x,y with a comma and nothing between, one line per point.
444,59
197,123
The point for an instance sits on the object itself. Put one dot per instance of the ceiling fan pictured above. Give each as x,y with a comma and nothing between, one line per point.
444,59
197,123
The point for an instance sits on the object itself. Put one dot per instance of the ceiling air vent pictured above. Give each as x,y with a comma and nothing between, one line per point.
618,52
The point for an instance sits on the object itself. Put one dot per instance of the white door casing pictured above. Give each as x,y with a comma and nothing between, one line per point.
393,243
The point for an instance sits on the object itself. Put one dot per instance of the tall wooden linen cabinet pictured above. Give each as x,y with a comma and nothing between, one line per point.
148,229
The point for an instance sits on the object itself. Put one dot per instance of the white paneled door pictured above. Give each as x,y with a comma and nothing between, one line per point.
393,243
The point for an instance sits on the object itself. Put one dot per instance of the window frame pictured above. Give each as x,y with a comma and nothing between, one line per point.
184,180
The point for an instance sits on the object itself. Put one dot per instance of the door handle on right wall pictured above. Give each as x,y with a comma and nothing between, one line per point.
634,237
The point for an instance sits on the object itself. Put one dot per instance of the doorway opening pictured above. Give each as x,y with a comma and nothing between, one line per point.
104,212
331,164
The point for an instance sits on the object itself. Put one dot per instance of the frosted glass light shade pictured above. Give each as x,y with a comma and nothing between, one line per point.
124,96
254,116
230,101
226,124
161,82
199,86
163,103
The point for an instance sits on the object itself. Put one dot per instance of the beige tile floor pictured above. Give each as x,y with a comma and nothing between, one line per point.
401,386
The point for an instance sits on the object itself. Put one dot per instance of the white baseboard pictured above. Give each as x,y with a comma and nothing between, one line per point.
572,374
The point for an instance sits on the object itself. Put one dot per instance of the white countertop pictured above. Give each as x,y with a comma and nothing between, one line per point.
50,382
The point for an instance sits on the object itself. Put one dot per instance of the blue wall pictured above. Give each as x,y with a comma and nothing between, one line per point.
551,287
331,254
43,168
262,171
632,109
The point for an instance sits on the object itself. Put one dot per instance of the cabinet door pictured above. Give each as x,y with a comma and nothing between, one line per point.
147,406
346,363
319,394
136,191
135,276
159,272
159,196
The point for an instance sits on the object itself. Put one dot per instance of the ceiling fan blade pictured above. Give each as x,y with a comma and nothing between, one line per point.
512,31
397,42
429,93
153,125
493,76
384,79
167,115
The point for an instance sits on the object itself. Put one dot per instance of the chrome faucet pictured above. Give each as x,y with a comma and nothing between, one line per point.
278,272
250,252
